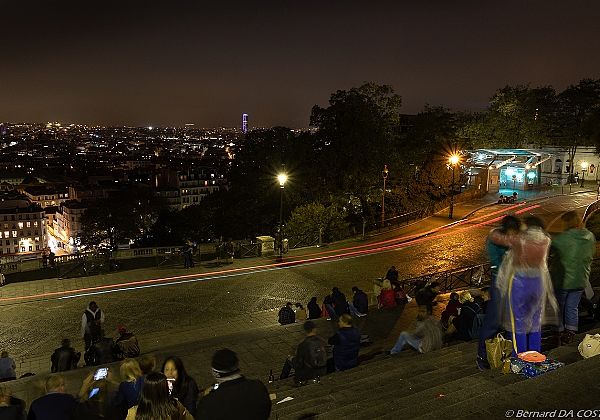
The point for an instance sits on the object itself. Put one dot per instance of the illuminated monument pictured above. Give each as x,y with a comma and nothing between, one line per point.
244,123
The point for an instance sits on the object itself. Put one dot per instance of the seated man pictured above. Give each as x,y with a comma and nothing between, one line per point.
287,315
346,342
360,303
102,351
233,396
127,344
56,404
311,357
425,336
65,357
428,296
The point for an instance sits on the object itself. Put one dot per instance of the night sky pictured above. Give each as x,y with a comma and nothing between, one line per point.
169,63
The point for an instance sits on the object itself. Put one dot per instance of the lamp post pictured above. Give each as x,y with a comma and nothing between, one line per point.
282,178
384,174
584,166
453,162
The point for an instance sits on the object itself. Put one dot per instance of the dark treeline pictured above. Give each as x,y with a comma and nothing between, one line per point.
335,172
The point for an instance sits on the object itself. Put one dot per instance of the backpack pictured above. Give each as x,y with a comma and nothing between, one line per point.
317,354
590,346
475,329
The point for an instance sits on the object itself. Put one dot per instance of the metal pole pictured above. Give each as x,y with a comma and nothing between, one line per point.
452,195
280,255
582,177
383,205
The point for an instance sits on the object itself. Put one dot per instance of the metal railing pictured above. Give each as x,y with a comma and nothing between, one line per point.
458,278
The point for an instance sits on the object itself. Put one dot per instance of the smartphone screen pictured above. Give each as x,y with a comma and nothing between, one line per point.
100,374
94,392
170,382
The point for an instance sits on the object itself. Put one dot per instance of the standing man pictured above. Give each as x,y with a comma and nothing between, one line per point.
574,250
491,322
310,361
91,324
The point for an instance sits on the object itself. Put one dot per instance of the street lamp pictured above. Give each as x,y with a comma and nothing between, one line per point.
384,174
282,178
453,161
584,166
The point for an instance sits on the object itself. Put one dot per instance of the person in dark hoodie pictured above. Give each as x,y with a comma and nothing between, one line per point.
339,302
346,342
360,303
314,311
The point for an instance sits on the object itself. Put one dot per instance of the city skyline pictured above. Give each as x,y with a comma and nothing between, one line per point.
158,63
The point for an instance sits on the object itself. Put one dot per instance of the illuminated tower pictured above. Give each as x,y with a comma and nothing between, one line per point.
244,123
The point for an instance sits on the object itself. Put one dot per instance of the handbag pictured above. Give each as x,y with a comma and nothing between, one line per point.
498,350
590,346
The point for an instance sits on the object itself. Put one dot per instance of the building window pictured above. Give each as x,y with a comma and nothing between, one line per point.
34,224
37,247
7,243
22,249
28,224
20,217
7,234
14,233
20,225
37,238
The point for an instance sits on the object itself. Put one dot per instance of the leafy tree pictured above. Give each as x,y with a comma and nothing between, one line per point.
577,112
128,217
517,116
356,137
313,218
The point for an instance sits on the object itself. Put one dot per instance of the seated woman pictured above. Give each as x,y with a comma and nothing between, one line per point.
464,321
451,311
155,401
129,390
184,387
386,298
399,294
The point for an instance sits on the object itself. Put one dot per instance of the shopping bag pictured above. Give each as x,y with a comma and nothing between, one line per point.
498,349
590,346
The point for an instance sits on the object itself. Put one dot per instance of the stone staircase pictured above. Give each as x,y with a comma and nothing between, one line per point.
442,384
445,384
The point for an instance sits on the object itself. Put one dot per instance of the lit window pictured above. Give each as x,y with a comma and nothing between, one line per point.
14,233
20,225
6,234
28,224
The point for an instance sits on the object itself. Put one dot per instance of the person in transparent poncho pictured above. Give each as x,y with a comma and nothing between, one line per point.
525,294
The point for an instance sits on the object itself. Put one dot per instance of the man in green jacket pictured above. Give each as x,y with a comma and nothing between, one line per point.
573,250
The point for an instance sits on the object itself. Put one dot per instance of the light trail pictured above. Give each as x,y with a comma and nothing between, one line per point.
351,252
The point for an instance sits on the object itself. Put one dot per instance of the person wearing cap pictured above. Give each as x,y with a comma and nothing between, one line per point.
304,368
127,344
233,396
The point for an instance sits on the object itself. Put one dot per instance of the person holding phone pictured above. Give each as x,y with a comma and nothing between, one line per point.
156,403
185,388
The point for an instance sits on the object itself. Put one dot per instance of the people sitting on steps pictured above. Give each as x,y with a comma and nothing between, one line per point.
425,335
310,361
360,302
346,342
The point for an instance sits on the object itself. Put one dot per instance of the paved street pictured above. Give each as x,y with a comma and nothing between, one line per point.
164,313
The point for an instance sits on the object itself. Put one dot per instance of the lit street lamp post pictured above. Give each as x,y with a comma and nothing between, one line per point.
282,178
584,166
453,162
384,174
